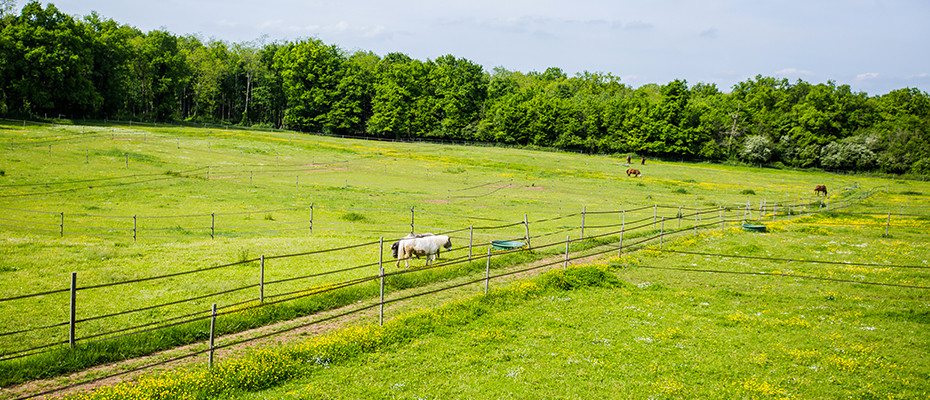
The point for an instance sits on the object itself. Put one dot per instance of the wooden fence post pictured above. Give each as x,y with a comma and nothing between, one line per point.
311,218
720,212
381,275
655,215
526,230
212,224
135,226
696,213
261,279
662,233
679,217
411,219
61,225
888,224
487,272
584,209
471,240
212,332
622,229
568,241
73,313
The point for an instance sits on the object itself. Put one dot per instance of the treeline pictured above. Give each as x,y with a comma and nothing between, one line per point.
54,64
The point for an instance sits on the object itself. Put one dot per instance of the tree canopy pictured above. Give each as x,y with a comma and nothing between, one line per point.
53,64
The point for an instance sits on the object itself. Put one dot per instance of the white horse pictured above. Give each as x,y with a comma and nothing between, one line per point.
396,244
428,246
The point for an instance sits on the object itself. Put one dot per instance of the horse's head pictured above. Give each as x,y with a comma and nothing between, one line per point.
448,244
394,249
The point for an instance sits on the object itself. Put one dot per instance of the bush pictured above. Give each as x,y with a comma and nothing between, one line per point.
853,153
748,191
756,150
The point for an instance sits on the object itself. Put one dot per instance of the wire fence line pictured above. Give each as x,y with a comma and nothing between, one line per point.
643,221
382,275
679,217
222,266
208,224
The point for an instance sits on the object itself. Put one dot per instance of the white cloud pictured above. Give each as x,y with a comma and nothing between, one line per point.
793,72
866,76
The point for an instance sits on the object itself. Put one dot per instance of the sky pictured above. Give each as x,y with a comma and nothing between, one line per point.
873,46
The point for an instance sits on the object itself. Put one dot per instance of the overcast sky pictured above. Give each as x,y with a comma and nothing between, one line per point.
872,46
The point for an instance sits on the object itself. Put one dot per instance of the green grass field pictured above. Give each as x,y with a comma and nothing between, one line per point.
662,332
259,187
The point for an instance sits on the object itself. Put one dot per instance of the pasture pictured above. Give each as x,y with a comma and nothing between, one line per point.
674,334
118,203
676,325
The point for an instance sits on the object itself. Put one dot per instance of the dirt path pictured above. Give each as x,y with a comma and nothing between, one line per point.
296,329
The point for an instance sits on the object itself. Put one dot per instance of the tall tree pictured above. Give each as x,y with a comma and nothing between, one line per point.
311,71
48,63
112,54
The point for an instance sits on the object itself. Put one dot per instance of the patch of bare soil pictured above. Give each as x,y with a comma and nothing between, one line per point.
291,331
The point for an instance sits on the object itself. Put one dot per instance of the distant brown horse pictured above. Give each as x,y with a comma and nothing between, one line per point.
633,172
820,189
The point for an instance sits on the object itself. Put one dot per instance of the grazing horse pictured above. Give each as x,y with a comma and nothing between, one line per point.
820,189
396,244
628,159
428,246
633,172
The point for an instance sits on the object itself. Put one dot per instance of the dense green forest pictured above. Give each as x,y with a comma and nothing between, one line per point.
53,64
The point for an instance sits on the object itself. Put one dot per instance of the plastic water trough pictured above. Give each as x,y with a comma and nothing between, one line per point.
753,228
506,244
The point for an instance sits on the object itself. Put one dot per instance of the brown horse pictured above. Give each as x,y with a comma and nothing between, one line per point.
820,189
633,172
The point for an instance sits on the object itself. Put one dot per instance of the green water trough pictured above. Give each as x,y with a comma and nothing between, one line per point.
506,244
